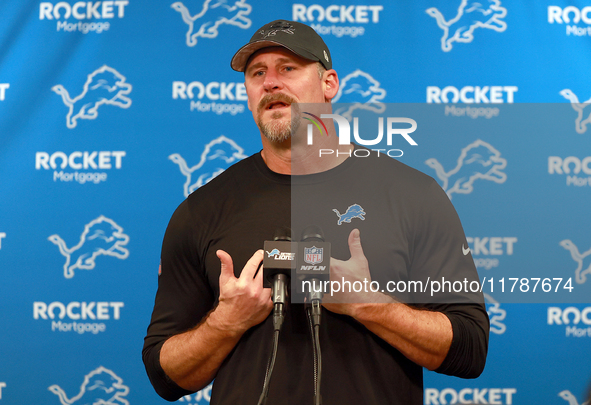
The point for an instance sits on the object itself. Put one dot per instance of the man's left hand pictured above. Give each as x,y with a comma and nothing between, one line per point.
356,269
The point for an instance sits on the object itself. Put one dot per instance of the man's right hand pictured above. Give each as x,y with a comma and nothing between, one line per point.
191,359
243,301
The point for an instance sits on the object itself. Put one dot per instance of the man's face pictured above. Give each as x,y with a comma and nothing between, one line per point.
276,78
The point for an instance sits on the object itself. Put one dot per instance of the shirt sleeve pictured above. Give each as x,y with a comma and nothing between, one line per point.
440,254
183,298
467,354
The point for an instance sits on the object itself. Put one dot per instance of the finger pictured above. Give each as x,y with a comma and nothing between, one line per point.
267,293
259,272
252,265
355,245
227,266
258,275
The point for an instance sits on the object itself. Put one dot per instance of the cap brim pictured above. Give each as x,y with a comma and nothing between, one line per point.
241,57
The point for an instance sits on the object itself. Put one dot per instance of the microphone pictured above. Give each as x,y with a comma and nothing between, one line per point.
313,267
278,263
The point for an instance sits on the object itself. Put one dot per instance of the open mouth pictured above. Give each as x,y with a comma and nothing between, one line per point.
276,105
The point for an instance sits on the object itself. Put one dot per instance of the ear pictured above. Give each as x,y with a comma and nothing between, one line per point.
330,81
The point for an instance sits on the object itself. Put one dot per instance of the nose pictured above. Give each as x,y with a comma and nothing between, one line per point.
272,81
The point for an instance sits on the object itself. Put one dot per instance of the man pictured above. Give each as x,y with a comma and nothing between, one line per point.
211,315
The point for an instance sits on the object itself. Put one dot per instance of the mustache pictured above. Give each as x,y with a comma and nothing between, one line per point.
269,98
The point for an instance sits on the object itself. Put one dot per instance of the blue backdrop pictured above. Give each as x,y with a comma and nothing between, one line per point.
109,111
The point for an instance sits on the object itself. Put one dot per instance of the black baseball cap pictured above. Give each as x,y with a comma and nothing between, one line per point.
299,38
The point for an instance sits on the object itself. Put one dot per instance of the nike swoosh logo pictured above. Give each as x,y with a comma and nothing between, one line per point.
465,251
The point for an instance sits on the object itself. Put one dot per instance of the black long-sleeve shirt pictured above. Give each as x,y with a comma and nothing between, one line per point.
409,231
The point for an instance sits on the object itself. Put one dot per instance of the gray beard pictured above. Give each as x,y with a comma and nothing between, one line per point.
280,130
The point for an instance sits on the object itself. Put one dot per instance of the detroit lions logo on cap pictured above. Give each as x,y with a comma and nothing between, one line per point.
282,26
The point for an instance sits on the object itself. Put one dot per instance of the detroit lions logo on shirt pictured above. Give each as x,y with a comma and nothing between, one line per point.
354,211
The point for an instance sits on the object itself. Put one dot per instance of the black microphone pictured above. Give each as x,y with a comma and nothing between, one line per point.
278,263
313,265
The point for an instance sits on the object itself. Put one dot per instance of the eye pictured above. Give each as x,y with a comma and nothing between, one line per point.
254,73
